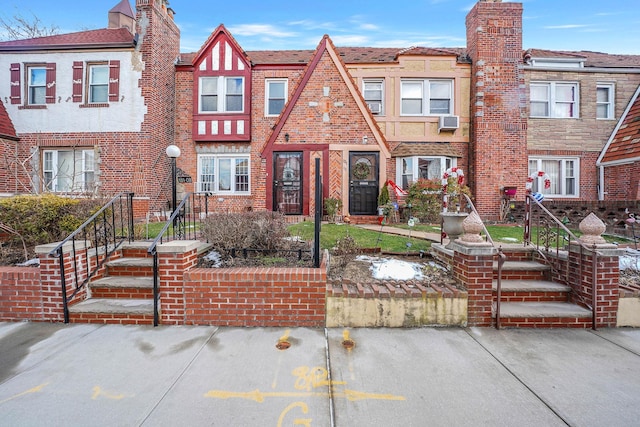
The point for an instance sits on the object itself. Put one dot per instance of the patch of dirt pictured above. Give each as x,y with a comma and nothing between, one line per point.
354,272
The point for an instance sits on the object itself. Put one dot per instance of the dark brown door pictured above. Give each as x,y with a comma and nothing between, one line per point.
287,183
363,183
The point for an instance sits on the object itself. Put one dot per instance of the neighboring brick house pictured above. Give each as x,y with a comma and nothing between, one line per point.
619,162
94,109
8,148
250,124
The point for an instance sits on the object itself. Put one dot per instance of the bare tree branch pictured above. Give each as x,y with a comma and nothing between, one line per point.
20,27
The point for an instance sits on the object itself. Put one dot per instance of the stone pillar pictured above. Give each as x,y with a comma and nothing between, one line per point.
473,265
174,258
597,264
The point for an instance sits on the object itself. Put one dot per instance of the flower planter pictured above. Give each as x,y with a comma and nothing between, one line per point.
452,225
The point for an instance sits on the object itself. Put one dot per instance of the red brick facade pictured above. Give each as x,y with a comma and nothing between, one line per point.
498,157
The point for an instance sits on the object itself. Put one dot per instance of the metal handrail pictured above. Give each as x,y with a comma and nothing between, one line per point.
99,233
573,240
183,219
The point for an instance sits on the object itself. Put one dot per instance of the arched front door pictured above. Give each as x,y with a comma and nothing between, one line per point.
363,183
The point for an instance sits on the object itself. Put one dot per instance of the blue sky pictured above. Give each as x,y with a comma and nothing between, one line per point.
605,26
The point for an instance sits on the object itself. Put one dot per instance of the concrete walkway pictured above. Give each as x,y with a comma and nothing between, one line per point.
73,375
388,229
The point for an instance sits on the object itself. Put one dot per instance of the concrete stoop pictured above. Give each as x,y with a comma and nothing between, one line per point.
124,295
529,300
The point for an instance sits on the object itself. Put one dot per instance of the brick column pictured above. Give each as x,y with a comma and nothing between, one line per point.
51,278
597,265
473,266
174,258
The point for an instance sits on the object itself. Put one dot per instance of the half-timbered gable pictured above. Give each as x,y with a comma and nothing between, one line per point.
222,90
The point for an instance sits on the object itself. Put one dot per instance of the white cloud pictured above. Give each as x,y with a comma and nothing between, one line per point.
564,27
267,30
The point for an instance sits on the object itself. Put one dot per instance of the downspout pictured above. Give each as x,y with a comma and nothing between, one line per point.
601,180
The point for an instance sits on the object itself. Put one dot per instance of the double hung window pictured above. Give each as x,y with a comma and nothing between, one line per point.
70,170
275,96
562,173
426,97
554,100
221,94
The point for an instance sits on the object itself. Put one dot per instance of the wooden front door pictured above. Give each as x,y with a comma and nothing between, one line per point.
363,183
287,183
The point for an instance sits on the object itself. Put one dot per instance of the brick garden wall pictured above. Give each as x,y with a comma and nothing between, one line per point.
20,294
255,297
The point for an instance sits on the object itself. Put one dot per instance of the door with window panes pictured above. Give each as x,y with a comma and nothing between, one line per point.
363,183
287,183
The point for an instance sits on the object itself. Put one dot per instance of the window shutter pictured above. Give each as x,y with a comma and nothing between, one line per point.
50,96
16,97
114,81
78,69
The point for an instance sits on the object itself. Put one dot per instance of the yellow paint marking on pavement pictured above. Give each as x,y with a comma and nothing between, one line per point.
258,396
35,389
298,421
97,392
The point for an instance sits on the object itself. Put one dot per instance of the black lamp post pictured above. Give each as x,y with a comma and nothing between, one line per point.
173,152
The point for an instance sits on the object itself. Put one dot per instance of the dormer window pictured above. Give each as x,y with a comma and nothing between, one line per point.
221,94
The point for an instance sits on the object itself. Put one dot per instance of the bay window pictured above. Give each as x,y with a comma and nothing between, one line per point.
68,170
411,169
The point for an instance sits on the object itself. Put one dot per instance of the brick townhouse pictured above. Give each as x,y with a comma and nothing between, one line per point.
250,124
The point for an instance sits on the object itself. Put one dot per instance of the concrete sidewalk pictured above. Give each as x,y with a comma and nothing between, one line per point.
55,374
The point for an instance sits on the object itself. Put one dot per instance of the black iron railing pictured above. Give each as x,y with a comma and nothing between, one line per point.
91,245
551,242
183,224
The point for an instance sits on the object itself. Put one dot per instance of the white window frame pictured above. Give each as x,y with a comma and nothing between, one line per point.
559,183
210,180
40,87
408,168
268,96
81,176
609,104
369,87
425,97
553,101
221,93
93,84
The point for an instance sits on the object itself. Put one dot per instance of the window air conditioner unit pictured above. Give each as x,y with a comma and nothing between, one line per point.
448,123
375,107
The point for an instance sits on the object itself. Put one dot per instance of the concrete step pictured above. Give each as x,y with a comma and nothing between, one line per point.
531,291
130,267
530,286
107,310
543,315
521,270
128,287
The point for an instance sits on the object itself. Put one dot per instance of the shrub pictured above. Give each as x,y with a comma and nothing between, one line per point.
425,197
41,219
346,250
332,206
254,230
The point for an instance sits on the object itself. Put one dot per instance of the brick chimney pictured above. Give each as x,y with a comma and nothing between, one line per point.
498,155
122,16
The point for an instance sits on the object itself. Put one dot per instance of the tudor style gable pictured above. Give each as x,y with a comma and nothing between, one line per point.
222,90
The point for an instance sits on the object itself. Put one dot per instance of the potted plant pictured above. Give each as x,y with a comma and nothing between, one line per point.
332,206
453,192
383,199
